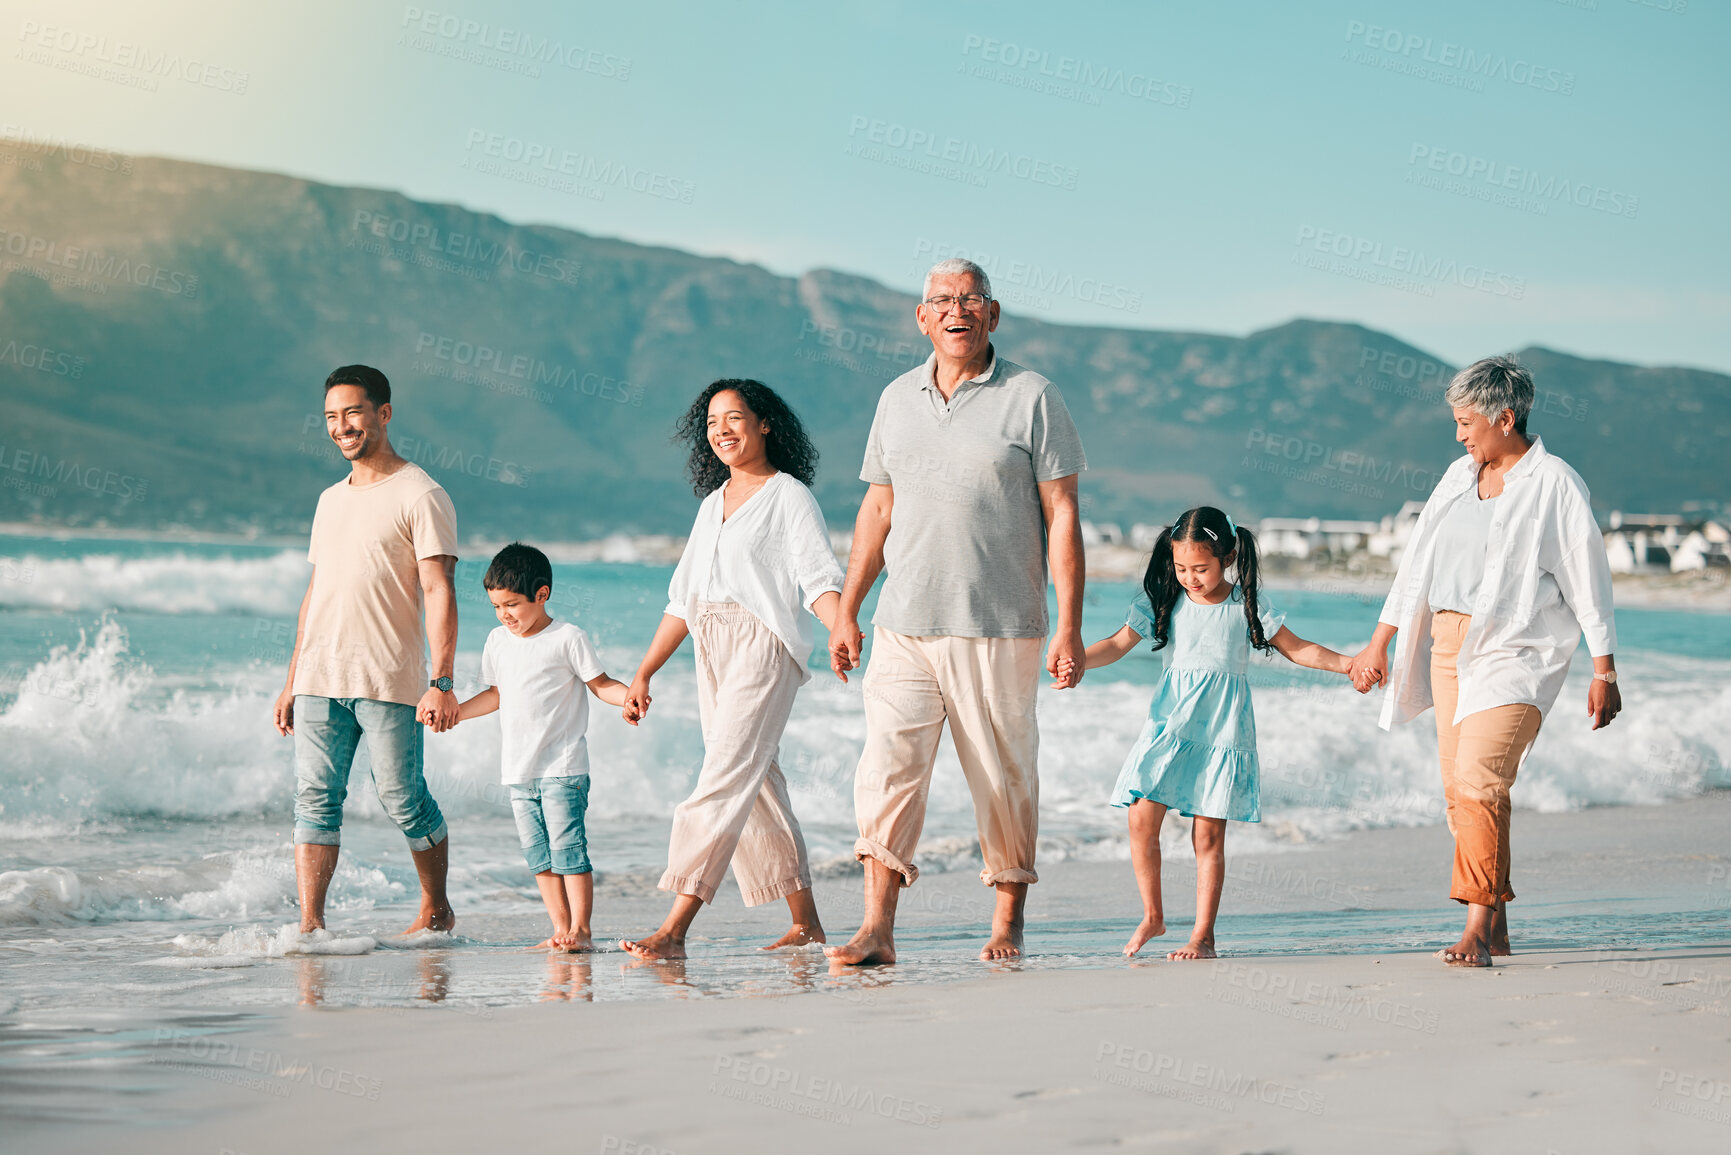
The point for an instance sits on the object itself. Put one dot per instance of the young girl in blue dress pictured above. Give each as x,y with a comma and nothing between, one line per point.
1197,751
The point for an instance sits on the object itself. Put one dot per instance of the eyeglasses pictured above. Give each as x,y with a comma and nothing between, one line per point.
968,302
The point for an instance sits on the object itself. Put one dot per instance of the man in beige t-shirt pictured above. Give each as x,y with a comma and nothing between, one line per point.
384,545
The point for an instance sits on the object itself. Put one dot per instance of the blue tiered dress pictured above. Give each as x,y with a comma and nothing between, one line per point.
1197,751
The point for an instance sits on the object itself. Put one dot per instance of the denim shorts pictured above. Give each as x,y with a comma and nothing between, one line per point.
327,732
549,813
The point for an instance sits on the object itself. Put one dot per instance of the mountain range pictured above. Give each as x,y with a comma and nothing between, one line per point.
165,328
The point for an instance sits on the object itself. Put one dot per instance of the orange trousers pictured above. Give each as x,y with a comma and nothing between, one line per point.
1479,758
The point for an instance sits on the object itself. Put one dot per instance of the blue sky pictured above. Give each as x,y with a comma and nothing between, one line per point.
1473,177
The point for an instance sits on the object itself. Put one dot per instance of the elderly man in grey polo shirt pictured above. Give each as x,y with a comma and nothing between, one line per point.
973,461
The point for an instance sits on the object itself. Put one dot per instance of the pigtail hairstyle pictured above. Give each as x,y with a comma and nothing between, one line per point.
1230,543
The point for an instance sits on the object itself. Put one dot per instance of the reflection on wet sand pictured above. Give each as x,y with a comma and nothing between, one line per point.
570,979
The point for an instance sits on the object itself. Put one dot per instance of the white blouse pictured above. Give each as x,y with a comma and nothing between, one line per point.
772,556
1546,581
1462,543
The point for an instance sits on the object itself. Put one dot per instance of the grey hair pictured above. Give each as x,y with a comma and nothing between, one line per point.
1491,386
955,267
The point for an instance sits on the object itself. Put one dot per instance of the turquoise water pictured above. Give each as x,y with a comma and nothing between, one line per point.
145,797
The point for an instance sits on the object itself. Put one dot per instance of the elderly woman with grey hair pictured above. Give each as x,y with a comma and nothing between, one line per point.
1505,570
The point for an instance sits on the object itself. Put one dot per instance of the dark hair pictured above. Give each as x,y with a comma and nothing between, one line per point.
368,378
520,569
790,450
1214,529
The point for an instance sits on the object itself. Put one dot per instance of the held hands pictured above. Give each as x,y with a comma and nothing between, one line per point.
844,646
1066,659
1368,668
438,709
637,700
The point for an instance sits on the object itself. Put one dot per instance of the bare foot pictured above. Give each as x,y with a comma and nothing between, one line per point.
800,935
1149,928
550,943
1499,938
652,948
1195,948
1465,953
579,944
442,920
1004,943
865,947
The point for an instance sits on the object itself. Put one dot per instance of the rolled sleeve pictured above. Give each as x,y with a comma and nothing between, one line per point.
1057,446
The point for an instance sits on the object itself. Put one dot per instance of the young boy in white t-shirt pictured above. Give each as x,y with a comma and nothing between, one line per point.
536,669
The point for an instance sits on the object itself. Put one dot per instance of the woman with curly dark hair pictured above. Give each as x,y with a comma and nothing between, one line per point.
758,558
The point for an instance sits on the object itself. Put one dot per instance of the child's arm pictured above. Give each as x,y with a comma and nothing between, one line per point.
1108,650
609,690
483,703
1318,657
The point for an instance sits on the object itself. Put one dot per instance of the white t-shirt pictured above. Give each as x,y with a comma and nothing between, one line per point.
543,700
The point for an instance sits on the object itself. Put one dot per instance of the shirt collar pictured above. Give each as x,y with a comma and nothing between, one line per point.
929,375
1529,460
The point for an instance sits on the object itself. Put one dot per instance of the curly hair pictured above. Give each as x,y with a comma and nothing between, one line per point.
1230,543
790,450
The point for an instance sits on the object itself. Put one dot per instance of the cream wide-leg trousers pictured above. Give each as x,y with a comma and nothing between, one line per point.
739,811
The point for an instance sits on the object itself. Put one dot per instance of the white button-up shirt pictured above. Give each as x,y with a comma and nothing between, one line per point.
772,556
1547,581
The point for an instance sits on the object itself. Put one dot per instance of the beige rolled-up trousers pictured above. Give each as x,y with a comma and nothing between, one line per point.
739,811
985,688
1479,758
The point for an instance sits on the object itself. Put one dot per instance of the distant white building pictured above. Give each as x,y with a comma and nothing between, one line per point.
1653,542
1303,536
1105,533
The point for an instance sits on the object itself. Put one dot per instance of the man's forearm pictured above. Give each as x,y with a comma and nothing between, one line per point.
442,630
1069,571
865,558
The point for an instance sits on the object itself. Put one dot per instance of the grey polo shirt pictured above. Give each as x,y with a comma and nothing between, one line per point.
966,553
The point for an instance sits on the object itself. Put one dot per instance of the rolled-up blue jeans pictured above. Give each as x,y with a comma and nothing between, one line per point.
327,731
550,826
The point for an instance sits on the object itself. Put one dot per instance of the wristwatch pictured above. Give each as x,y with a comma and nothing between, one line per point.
443,685
1609,677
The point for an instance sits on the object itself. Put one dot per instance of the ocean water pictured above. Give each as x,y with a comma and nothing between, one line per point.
145,798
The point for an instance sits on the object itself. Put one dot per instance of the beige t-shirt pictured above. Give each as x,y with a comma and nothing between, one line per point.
363,636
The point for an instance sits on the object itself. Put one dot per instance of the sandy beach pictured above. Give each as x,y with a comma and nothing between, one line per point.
1565,1047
